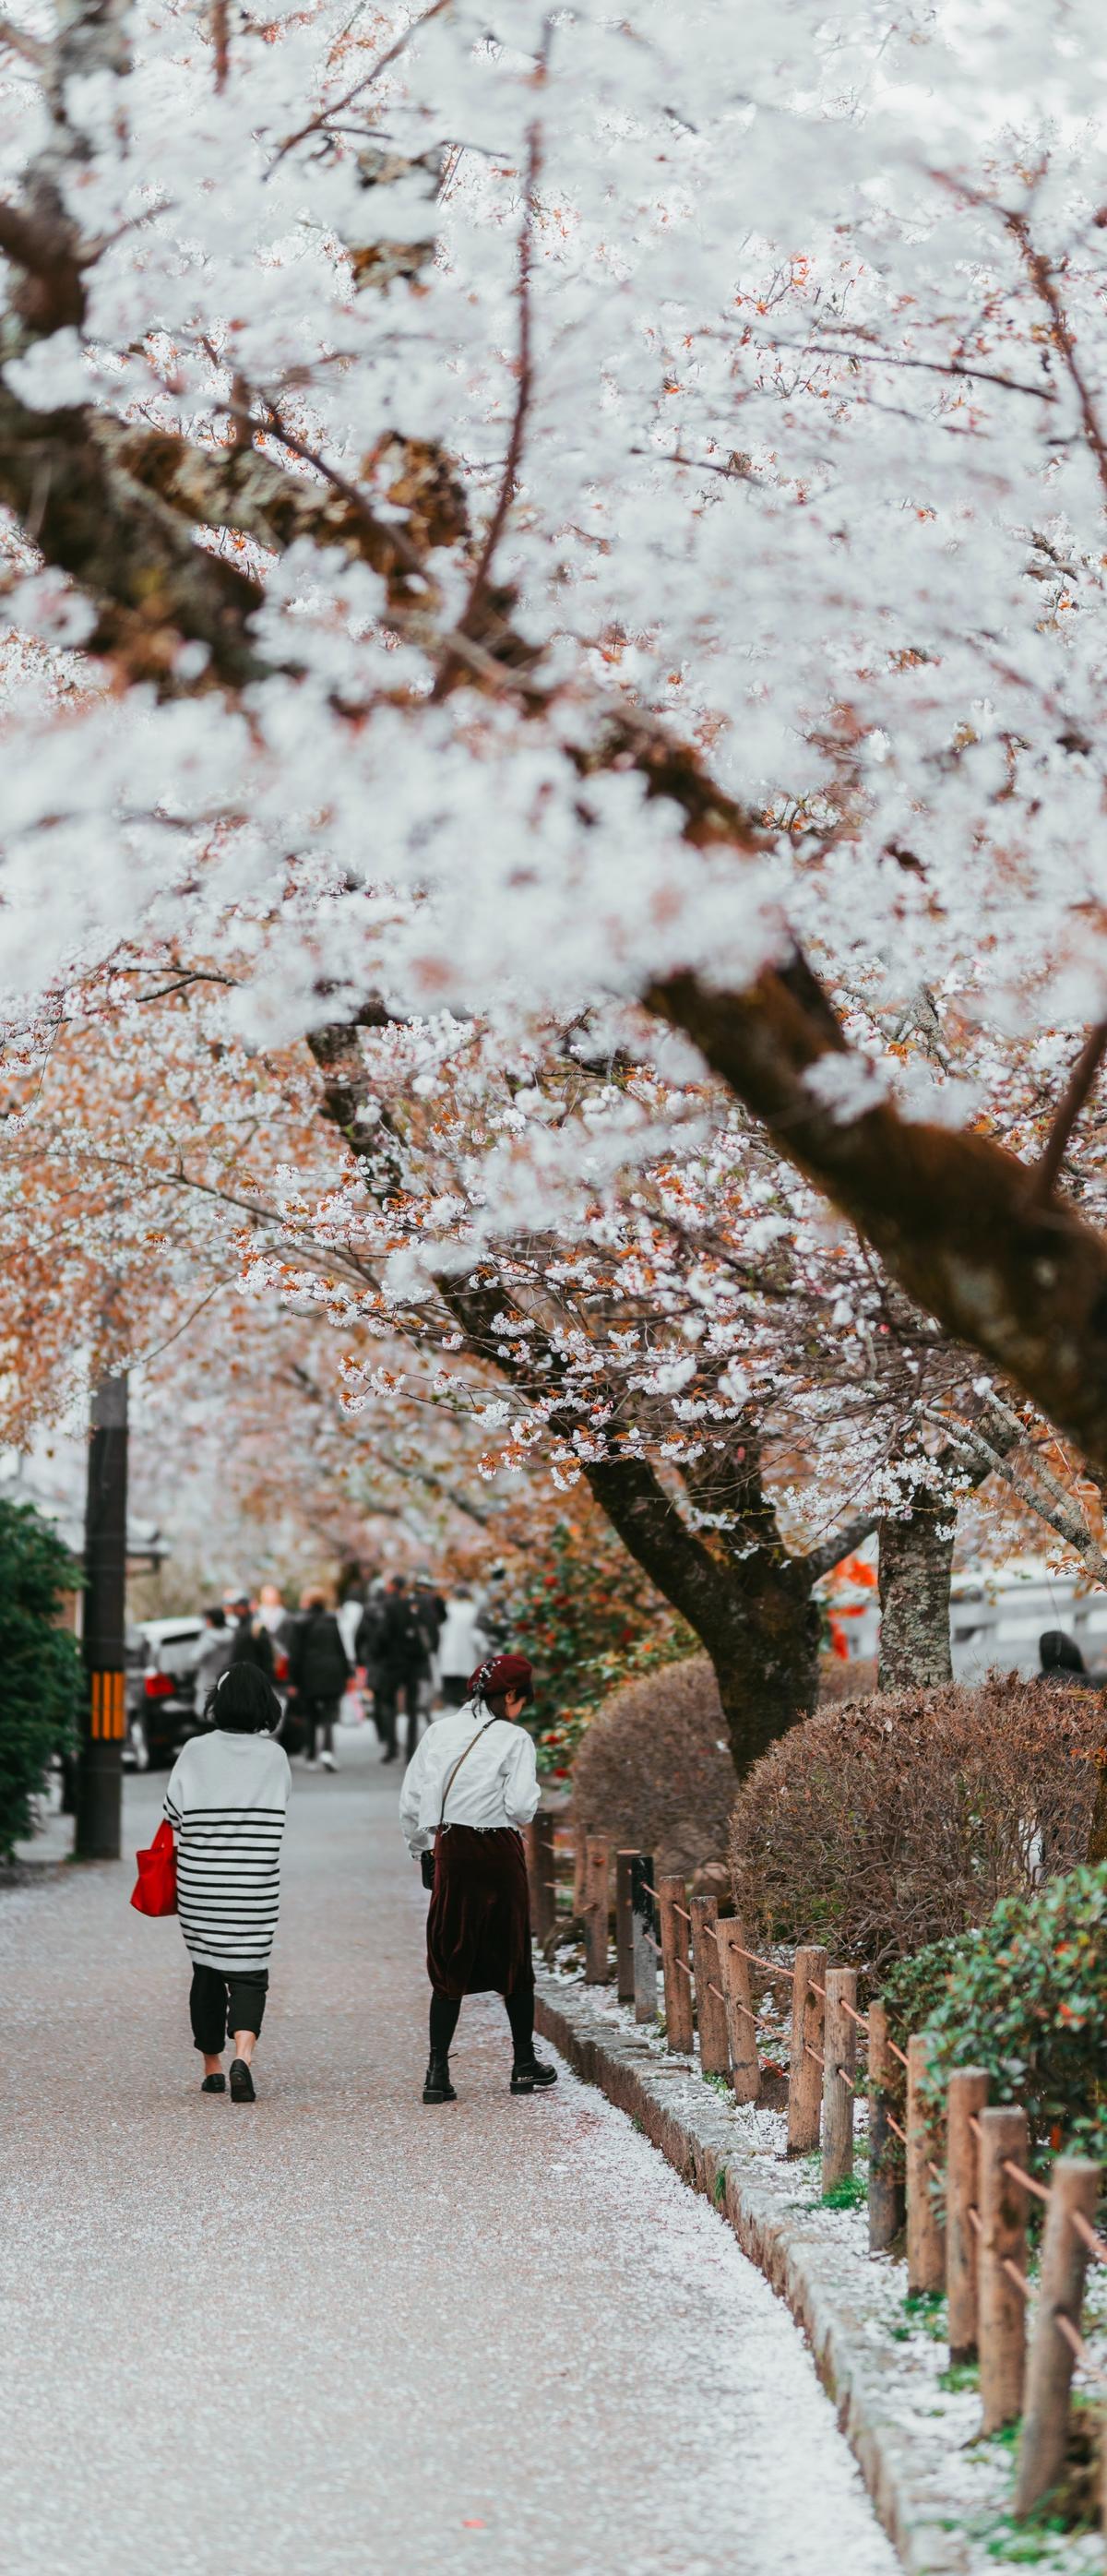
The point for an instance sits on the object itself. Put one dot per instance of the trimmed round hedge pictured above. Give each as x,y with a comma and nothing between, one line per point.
891,1822
654,1770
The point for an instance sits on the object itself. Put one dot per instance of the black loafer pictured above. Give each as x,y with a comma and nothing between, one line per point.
533,2077
242,2082
438,2087
214,2083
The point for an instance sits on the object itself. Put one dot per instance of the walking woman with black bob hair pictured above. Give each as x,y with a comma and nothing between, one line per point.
467,1791
226,1801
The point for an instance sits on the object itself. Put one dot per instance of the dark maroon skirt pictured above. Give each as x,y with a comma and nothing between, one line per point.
478,1927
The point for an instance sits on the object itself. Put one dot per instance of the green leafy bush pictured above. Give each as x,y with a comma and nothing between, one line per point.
40,1669
1026,1998
589,1619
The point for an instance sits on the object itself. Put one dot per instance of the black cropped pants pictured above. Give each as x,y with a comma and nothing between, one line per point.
223,2001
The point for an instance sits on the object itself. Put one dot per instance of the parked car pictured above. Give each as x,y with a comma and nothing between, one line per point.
162,1655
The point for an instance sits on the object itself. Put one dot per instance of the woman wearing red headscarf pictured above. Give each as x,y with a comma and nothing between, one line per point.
470,1787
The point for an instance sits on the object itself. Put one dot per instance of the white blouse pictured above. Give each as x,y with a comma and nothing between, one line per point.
496,1785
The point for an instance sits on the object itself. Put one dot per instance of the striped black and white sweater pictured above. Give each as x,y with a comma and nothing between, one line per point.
226,1801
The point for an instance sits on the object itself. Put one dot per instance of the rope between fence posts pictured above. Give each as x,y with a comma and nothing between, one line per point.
816,2053
901,2134
771,1966
654,1945
1027,2180
1088,2236
973,2216
1078,2348
1022,2285
897,2052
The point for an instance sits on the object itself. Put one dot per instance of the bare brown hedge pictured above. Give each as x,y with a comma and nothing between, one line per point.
883,1825
654,1769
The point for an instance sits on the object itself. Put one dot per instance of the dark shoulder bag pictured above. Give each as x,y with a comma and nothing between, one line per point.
427,1858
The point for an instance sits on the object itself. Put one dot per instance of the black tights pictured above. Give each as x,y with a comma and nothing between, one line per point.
444,2013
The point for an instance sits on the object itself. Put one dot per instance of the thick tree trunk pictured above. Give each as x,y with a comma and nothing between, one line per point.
767,1665
916,1562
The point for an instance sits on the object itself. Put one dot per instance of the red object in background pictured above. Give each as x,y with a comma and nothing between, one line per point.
159,1686
155,1889
280,1668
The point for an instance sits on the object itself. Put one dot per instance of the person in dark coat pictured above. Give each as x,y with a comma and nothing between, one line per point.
251,1642
318,1672
1062,1662
402,1663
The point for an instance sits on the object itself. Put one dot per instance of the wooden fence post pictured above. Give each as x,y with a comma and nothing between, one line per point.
839,2071
624,1927
805,2076
644,1917
542,1858
1002,2312
926,2235
968,2094
710,2007
580,1866
672,1894
596,1906
734,1978
886,2192
1074,2186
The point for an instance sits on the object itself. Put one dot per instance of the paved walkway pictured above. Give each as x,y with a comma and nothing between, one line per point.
339,2334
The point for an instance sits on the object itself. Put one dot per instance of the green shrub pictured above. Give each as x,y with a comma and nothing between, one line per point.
40,1668
1025,1997
590,1620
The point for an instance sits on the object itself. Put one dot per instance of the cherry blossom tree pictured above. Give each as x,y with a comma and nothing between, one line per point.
586,520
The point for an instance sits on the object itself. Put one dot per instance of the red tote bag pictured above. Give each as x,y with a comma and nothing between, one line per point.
156,1890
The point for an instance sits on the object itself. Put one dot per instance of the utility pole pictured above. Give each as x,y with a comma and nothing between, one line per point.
100,1777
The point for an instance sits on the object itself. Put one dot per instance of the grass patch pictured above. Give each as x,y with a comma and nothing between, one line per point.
960,2375
850,2193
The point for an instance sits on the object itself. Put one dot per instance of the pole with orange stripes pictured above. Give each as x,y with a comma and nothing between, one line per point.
100,1780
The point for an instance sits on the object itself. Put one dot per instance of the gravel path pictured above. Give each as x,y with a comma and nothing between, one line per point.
339,2334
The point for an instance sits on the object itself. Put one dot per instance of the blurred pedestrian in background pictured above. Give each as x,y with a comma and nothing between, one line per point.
367,1634
402,1663
430,1611
214,1655
251,1642
226,1801
470,1787
318,1672
462,1643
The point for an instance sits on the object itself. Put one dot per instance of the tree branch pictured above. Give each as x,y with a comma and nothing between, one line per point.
1076,1092
947,1212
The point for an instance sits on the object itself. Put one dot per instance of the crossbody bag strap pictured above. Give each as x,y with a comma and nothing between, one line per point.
474,1739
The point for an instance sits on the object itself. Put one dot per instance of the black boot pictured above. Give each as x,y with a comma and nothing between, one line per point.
532,2075
438,2087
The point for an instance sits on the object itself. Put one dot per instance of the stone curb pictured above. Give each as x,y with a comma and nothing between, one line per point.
821,2281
